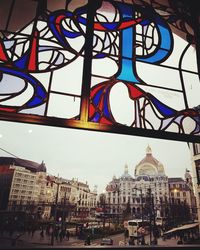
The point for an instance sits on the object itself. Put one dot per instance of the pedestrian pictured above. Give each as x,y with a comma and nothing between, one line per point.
56,234
42,234
87,242
47,231
67,234
32,232
131,241
143,240
61,235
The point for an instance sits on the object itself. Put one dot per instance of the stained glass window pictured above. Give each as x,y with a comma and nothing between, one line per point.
109,66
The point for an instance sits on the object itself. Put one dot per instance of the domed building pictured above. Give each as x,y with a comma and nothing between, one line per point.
149,165
151,178
127,191
148,194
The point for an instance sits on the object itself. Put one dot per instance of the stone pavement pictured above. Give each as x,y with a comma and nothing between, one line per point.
26,240
35,240
167,242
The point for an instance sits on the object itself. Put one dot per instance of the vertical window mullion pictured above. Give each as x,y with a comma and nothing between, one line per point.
87,64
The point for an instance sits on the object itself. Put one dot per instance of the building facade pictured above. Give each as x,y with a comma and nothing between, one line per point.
150,191
86,200
26,186
23,183
150,177
195,156
182,198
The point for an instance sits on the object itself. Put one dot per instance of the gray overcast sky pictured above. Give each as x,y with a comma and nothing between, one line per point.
89,156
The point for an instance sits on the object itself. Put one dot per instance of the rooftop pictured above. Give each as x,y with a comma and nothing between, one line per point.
30,165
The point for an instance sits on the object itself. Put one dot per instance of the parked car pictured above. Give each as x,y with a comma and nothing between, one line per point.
106,241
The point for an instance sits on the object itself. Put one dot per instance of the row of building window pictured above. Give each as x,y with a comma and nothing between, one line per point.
20,197
22,191
25,176
178,194
23,181
179,185
17,185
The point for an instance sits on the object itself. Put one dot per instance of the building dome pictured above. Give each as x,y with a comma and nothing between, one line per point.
149,165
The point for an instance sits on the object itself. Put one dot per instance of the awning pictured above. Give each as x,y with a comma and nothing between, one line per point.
188,226
171,230
181,228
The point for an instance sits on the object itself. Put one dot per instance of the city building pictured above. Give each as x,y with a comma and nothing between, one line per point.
151,191
26,186
21,182
195,156
182,194
150,176
120,194
86,200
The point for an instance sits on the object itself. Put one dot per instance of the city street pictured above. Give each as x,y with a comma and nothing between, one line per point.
37,242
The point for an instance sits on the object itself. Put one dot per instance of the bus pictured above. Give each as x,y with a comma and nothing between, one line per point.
138,228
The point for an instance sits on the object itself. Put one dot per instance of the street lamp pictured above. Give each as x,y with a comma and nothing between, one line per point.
118,202
103,208
152,209
141,196
150,199
173,202
55,214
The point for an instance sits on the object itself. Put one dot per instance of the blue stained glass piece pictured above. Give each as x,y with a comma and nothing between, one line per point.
162,108
126,10
41,92
127,70
100,55
36,85
69,14
145,22
51,18
165,44
70,34
127,45
110,26
106,102
21,62
165,37
80,11
82,20
127,73
36,101
97,97
96,117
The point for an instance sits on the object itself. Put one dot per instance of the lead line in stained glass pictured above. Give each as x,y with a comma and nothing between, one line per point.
181,74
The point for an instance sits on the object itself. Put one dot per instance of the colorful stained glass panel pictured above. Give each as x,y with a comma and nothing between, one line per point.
104,65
